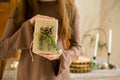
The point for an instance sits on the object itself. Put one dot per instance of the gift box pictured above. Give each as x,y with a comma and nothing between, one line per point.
45,36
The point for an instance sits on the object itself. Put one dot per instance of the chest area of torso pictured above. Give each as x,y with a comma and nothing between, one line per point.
49,9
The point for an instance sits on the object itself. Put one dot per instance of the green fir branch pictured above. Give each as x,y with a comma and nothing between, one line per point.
46,34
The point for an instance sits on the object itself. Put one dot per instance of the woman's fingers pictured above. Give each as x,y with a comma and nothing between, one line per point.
43,16
32,20
50,56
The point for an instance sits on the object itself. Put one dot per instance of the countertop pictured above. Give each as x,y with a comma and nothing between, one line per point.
10,74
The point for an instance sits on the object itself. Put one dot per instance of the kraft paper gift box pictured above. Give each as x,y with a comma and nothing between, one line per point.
45,36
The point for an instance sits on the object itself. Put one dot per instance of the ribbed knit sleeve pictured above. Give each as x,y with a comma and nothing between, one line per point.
15,37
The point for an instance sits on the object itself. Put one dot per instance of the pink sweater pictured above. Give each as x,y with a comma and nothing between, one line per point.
15,38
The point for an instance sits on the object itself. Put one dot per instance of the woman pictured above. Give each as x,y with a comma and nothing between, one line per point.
19,35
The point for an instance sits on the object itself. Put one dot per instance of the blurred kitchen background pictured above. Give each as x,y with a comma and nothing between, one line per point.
100,16
96,16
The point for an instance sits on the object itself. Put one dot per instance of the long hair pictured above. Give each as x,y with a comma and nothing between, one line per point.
26,9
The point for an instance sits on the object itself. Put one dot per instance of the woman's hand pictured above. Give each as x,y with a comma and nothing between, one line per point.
32,20
50,56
